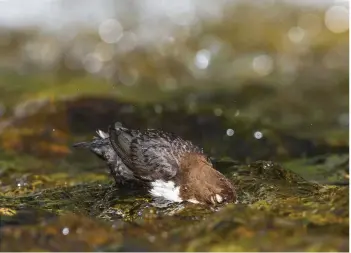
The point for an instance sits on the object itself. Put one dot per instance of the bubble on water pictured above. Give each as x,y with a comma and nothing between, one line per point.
65,231
258,135
230,132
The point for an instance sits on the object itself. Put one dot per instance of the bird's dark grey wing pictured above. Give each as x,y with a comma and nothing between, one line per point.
149,155
121,140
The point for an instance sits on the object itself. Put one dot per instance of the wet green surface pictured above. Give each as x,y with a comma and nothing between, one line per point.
275,205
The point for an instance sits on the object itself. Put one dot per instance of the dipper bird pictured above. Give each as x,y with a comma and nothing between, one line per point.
170,167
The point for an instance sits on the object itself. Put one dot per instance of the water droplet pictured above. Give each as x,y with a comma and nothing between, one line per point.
65,231
230,132
258,135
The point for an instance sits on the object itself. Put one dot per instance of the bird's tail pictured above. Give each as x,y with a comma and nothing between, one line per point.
82,145
97,141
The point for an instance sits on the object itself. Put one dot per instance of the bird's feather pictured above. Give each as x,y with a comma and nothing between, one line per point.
149,154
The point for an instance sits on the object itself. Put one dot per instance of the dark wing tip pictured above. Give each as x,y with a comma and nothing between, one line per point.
120,143
112,131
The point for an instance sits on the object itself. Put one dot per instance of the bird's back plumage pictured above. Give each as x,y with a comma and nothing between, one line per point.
150,154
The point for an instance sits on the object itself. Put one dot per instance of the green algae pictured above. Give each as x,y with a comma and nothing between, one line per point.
277,210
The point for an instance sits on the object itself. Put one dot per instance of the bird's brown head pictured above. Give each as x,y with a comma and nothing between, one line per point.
202,183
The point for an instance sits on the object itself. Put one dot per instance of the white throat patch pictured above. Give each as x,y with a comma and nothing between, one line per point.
167,190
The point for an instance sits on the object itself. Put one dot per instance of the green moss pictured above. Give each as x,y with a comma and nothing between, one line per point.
277,210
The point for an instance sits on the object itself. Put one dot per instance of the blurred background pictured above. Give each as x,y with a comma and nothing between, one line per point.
245,79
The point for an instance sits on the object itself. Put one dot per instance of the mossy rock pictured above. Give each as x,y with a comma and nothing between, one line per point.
277,210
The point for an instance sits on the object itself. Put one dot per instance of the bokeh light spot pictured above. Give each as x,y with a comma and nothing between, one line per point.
202,59
337,19
110,31
262,65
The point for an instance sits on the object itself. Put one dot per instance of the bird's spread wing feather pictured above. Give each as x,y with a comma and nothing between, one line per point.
148,154
121,139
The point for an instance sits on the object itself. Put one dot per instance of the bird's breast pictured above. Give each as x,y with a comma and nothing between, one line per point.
166,189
